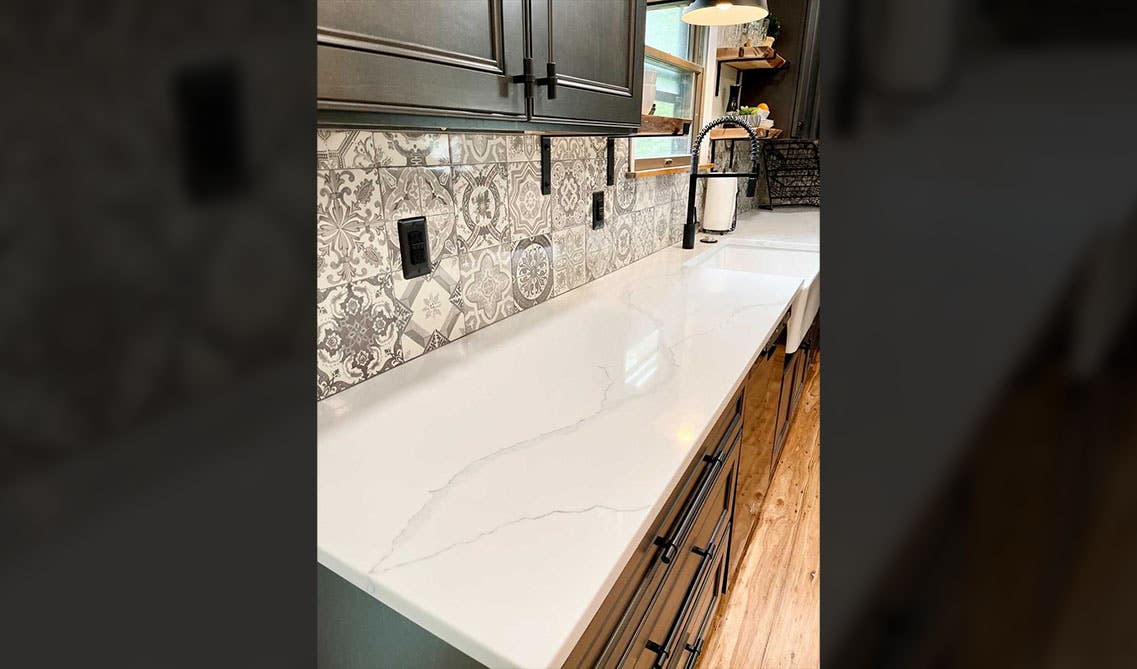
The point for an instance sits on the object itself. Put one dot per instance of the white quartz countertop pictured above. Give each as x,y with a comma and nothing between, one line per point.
791,227
493,490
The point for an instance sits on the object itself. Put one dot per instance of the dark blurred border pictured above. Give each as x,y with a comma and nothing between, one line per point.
979,229
157,428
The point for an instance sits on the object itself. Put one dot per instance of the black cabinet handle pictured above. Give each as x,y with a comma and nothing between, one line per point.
706,479
669,550
526,77
694,651
550,80
702,488
707,554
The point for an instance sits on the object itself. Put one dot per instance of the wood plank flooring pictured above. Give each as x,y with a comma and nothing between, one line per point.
771,618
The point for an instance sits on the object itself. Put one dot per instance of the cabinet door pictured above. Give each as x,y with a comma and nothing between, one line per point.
421,56
785,394
598,48
763,388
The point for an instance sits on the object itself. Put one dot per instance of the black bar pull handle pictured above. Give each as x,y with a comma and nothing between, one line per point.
526,77
550,80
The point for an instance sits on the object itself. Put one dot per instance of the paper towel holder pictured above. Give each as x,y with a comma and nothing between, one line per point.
690,226
720,212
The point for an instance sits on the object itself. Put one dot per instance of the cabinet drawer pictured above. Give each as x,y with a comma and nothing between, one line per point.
659,635
691,524
652,586
662,640
654,610
691,645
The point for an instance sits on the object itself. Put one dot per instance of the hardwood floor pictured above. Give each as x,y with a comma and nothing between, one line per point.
771,618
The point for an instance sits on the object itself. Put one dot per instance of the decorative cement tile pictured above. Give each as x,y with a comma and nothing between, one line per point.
487,286
350,238
623,243
480,196
600,251
477,149
528,208
523,148
338,149
532,269
437,310
401,149
359,326
569,265
569,207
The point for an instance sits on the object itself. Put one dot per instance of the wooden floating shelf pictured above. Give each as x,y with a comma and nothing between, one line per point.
750,58
747,58
775,63
736,52
740,133
663,126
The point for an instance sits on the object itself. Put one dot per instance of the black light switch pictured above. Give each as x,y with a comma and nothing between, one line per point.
414,247
598,210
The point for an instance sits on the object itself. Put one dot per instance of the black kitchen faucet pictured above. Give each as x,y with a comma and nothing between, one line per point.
690,227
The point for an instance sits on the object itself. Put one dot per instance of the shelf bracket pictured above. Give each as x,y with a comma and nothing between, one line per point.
611,161
546,164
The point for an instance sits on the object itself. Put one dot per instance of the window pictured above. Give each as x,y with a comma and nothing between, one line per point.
666,30
671,74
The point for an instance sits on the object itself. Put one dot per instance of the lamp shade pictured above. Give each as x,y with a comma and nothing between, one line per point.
724,12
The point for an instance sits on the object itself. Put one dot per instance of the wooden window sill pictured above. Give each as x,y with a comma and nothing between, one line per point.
663,171
672,60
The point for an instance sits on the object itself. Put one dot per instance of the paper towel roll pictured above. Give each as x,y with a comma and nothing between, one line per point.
718,211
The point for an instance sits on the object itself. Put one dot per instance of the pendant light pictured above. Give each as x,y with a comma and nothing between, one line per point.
724,12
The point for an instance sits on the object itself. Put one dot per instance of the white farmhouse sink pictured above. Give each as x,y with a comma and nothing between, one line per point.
765,258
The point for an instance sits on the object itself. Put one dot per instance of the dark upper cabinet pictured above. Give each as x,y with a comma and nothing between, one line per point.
441,62
598,49
421,56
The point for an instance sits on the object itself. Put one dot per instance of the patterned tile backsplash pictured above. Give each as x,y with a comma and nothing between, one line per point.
498,246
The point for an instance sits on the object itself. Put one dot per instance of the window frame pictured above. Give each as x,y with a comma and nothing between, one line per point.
696,46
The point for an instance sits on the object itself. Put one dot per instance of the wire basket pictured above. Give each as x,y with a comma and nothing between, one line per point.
793,172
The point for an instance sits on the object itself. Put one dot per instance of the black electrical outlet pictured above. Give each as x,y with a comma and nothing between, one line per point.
210,106
414,246
598,210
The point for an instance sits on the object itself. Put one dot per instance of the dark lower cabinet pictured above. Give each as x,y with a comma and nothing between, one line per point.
756,459
794,371
355,631
418,61
785,396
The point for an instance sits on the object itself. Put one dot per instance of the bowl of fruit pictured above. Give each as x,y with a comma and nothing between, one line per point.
754,115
